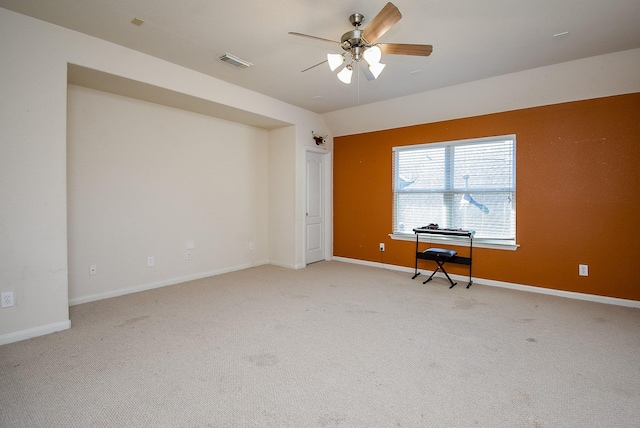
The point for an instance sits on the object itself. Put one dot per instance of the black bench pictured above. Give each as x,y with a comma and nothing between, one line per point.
440,256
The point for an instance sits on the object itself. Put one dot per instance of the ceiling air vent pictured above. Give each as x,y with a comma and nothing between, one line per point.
234,61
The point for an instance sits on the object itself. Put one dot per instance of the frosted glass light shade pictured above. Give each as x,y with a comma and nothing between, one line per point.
335,60
372,55
376,69
345,74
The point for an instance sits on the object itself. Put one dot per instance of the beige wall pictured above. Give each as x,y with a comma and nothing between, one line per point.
281,199
144,179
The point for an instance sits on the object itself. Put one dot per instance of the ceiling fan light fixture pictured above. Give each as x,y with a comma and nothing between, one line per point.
345,74
335,60
376,69
362,44
373,55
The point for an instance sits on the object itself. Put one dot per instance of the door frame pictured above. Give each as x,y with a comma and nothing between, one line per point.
326,202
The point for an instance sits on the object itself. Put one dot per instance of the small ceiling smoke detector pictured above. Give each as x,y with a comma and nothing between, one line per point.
234,61
137,21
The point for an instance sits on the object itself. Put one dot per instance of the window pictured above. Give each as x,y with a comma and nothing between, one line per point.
468,184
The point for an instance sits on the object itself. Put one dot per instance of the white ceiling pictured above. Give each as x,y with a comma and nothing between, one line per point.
472,39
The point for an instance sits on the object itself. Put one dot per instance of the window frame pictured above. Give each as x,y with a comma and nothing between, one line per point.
508,244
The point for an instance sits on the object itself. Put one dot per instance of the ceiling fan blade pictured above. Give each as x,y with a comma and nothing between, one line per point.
313,66
405,49
379,25
313,37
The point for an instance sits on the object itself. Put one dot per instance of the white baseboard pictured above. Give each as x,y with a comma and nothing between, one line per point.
501,284
287,265
34,332
164,283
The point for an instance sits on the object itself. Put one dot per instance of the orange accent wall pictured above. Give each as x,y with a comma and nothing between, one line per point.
577,195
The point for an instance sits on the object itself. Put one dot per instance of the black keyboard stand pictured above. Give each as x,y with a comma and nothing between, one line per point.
440,257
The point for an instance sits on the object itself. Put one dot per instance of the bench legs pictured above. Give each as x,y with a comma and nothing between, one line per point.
441,267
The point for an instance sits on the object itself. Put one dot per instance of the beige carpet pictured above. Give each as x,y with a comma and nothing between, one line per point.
331,345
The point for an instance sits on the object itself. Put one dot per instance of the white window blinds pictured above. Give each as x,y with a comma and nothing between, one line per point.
469,184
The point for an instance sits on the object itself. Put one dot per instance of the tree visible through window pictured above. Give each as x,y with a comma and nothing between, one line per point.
469,184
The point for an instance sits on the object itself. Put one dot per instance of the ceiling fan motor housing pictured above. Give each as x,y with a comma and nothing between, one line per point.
352,41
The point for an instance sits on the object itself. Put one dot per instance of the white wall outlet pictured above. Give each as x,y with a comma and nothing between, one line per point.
93,269
189,255
382,246
251,246
150,261
7,299
583,270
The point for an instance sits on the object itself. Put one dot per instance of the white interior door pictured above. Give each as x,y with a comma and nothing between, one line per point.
315,208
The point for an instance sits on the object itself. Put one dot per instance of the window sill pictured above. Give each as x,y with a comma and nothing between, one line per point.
477,243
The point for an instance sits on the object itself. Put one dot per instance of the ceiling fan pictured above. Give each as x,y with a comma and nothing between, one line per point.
361,44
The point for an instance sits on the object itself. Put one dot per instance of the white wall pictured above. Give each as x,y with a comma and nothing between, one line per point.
33,189
33,235
143,179
282,212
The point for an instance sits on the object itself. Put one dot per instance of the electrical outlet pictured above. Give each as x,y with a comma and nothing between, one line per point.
251,246
583,270
7,299
93,269
189,255
382,246
150,261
